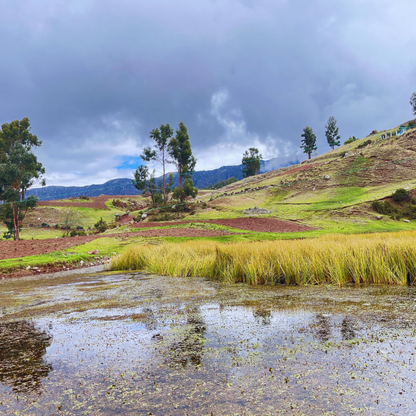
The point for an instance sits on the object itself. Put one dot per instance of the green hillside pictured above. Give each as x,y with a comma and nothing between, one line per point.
333,191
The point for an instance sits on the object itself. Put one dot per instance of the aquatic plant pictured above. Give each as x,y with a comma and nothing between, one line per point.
336,259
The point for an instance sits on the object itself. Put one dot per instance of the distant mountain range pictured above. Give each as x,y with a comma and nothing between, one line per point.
123,186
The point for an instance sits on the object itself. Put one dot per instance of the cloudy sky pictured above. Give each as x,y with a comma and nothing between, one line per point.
95,76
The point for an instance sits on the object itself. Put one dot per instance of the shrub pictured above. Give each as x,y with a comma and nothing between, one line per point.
410,212
168,217
383,207
350,140
83,197
44,224
74,233
364,144
401,195
396,217
101,226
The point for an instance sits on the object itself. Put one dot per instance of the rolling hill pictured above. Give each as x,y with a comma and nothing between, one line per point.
333,190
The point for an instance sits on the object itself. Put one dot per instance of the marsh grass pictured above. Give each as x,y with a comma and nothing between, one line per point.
336,259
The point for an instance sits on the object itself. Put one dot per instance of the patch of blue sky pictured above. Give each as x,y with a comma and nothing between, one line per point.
129,162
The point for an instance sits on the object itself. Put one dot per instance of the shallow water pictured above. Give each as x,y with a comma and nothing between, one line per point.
136,344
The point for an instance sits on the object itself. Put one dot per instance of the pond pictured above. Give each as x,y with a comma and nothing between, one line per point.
136,344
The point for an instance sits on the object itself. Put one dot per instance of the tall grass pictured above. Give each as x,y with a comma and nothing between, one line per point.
339,259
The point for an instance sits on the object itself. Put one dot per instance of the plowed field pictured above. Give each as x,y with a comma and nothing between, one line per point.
264,225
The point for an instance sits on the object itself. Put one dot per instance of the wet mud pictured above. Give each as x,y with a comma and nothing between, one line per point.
136,344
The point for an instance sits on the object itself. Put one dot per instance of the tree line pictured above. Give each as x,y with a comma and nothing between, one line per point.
309,137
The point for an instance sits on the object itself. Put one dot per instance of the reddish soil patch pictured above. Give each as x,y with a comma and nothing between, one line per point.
181,232
298,169
263,225
152,224
97,202
14,249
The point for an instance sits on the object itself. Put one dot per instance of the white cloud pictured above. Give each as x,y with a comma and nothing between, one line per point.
236,139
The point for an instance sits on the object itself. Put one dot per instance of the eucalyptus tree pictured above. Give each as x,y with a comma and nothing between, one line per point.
309,141
19,170
162,136
181,152
332,132
251,162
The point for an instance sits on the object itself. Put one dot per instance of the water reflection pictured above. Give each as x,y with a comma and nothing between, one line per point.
347,329
262,316
151,321
22,347
189,346
322,326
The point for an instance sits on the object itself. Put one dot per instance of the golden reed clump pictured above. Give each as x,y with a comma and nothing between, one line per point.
336,259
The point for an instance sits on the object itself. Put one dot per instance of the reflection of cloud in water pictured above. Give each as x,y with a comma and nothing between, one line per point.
22,347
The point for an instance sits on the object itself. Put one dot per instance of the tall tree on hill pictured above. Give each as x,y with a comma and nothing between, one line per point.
332,132
413,103
251,162
19,169
162,137
181,152
308,141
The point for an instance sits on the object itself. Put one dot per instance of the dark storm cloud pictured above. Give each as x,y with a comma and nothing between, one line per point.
95,77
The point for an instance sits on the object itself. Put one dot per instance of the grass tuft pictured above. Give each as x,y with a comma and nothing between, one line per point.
335,259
